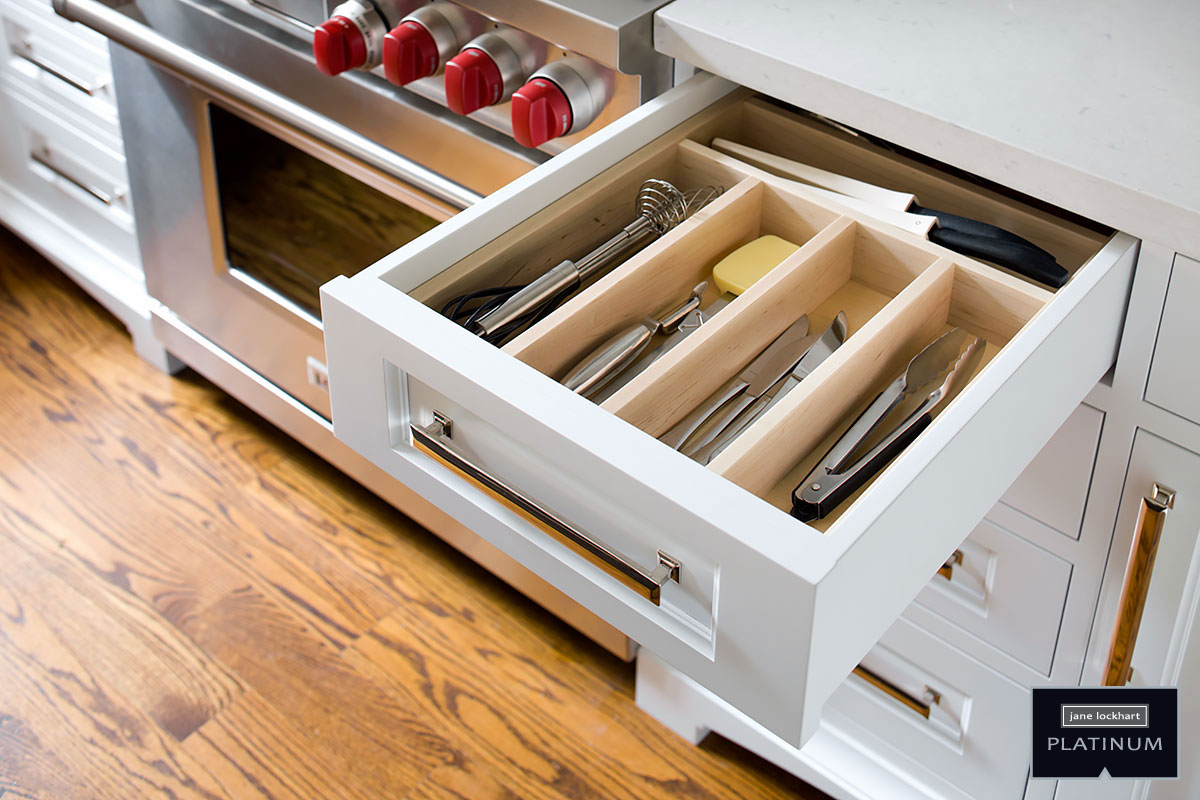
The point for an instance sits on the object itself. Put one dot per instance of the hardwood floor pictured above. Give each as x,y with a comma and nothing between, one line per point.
192,605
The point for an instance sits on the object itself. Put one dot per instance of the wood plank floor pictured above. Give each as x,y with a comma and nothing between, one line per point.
192,605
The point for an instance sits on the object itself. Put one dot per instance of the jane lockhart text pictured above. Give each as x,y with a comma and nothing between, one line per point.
1063,743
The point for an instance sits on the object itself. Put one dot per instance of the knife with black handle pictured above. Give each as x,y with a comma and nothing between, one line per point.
982,240
960,234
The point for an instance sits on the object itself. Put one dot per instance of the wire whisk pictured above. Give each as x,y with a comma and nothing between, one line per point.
497,313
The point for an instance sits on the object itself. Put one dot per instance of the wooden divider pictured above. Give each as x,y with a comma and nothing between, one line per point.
692,371
646,284
587,215
861,367
898,292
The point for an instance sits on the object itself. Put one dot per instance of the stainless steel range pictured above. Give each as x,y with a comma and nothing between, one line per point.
275,145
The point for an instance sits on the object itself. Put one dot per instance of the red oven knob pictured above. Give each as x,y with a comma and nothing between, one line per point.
488,70
423,41
540,112
472,81
338,45
562,97
352,37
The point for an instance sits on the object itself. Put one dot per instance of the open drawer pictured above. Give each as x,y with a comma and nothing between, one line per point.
768,612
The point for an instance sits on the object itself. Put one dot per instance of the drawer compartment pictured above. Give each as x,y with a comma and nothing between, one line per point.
597,469
1174,383
1004,590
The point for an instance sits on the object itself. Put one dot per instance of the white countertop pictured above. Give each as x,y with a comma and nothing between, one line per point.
1092,106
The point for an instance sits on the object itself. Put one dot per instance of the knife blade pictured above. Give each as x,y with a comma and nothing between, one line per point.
821,346
771,364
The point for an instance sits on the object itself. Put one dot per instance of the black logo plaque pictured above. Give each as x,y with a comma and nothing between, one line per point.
1081,732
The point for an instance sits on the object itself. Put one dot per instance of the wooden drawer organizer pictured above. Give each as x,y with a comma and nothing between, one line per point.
897,291
397,367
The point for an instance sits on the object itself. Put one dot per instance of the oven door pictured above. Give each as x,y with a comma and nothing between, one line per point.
255,186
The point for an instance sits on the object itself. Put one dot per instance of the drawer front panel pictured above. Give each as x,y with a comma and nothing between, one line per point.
975,734
1171,578
1174,382
61,61
1053,489
395,362
1004,590
74,178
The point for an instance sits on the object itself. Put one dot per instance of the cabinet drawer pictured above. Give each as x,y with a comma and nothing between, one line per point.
1006,591
922,700
60,167
1174,382
62,61
1153,647
745,563
1053,489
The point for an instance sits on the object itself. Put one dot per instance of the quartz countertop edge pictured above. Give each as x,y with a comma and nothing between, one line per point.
1013,112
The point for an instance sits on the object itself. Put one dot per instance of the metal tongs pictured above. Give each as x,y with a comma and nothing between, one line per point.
939,371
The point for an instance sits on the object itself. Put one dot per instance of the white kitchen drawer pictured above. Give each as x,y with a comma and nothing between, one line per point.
57,164
1053,489
60,61
925,701
1174,382
1006,591
767,612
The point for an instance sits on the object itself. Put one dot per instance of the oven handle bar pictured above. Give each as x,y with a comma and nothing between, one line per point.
162,51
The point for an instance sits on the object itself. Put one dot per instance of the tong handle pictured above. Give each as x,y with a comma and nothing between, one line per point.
835,460
822,491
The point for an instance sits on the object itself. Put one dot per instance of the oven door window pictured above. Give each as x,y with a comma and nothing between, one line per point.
291,222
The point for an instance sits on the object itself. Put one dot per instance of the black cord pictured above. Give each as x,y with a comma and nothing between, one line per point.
454,309
465,312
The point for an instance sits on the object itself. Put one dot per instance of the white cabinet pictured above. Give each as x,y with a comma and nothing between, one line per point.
1174,382
63,184
1066,465
1006,591
768,612
1164,642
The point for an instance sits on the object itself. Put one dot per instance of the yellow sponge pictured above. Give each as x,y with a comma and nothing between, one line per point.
737,272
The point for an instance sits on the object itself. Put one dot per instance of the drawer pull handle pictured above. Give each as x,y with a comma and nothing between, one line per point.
1152,517
432,440
42,157
947,570
90,88
922,706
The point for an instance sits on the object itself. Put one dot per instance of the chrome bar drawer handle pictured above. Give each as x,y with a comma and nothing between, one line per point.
27,52
1152,517
433,440
42,157
922,706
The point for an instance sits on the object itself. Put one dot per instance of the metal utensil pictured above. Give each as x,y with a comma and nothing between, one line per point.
773,362
607,361
821,346
940,370
660,207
